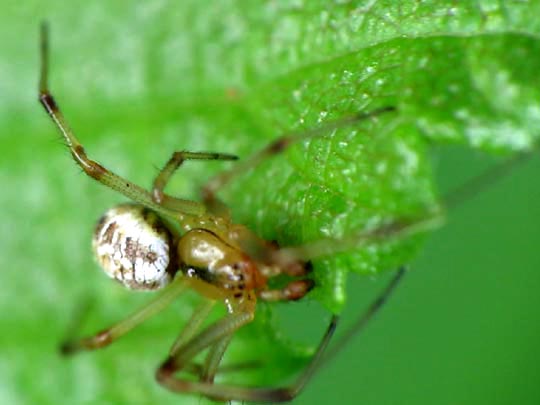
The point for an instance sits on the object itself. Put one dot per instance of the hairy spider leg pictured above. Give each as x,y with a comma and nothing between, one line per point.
361,322
197,318
109,335
205,372
395,229
196,369
215,337
214,357
208,370
476,184
180,210
278,146
173,164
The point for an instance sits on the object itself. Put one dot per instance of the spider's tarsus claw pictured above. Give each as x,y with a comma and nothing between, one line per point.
67,348
226,156
388,108
376,112
308,267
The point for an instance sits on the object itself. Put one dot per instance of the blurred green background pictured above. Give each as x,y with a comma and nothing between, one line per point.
139,80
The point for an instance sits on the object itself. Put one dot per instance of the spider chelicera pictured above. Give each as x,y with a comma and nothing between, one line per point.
163,242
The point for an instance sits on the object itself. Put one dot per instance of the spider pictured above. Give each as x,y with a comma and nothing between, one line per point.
162,242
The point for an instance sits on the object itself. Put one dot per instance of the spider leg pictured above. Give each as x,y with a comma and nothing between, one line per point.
400,228
218,334
176,160
213,358
215,336
390,231
199,369
366,316
354,330
208,370
93,168
193,325
278,146
109,335
485,179
291,292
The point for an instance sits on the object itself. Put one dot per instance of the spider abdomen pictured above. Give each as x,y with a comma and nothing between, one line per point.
132,246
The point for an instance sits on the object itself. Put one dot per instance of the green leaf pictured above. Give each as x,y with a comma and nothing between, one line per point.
138,81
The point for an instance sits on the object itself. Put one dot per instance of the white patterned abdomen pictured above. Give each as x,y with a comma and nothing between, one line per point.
132,246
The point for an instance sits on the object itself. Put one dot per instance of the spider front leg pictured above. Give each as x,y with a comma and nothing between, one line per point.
180,208
278,146
174,163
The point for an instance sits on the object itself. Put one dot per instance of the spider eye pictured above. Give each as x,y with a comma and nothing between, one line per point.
131,244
